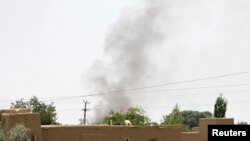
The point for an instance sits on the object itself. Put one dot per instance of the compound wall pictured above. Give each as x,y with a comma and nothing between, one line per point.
204,122
190,136
9,118
111,133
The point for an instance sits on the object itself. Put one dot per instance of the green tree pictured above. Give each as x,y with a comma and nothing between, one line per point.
114,118
174,118
136,115
20,104
47,111
220,107
191,118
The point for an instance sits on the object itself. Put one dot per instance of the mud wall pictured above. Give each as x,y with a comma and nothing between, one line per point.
110,133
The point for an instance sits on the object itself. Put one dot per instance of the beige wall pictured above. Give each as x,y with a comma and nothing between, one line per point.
10,118
110,133
13,111
204,122
190,136
30,120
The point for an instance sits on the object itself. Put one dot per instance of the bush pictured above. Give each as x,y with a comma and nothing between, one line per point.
17,133
2,135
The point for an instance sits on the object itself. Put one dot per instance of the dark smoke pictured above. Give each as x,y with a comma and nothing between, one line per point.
127,56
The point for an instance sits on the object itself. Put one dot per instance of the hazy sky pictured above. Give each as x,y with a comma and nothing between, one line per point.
48,48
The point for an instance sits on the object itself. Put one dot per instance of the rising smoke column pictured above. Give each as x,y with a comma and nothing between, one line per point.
127,57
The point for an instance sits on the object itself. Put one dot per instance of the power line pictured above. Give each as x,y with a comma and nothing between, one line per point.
150,91
142,97
193,88
203,104
179,82
70,116
140,88
171,83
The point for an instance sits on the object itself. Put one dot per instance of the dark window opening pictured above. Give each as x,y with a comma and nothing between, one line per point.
3,120
153,139
127,139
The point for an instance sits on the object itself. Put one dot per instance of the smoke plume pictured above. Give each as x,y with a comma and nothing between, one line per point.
127,56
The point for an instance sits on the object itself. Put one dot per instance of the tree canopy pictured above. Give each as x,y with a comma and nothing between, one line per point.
136,115
220,107
47,111
187,119
174,118
191,118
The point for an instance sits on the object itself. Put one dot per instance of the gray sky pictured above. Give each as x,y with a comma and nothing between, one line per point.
48,47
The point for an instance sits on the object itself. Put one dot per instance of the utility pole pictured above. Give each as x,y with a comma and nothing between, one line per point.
85,110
